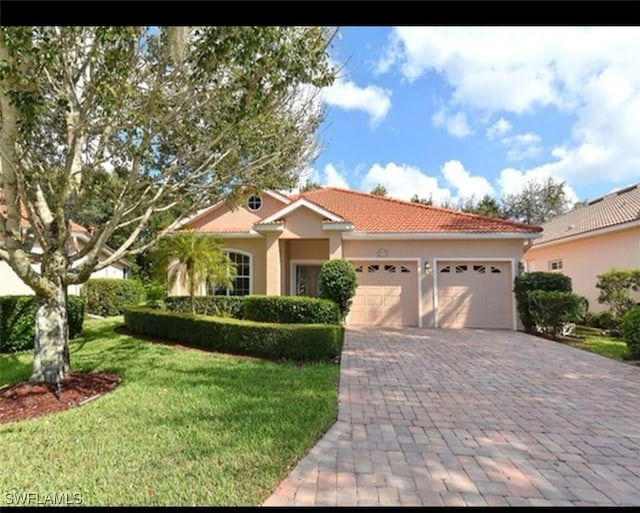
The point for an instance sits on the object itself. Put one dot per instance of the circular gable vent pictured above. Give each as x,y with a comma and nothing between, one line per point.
254,203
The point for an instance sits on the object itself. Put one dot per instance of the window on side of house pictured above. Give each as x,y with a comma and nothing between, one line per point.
242,281
555,265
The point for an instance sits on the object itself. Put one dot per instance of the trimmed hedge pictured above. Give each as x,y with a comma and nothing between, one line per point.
108,296
550,310
631,332
298,342
18,321
219,306
290,310
528,282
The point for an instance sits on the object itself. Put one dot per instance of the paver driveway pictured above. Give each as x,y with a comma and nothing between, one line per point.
474,417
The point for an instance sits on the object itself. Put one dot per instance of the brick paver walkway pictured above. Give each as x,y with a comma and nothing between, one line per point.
474,417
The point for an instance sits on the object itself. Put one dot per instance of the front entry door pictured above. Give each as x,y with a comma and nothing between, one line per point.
307,283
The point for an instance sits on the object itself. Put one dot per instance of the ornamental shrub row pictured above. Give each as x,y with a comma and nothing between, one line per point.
18,318
108,296
298,342
280,309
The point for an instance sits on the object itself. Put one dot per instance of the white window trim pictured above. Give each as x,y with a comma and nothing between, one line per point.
245,253
292,271
556,261
436,260
419,275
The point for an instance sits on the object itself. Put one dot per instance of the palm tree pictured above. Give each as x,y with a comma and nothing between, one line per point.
192,259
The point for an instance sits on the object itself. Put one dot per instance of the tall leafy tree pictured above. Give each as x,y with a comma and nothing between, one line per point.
487,207
193,260
538,202
184,116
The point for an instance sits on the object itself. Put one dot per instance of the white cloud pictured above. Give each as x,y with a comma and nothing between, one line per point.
498,129
590,74
512,180
403,182
522,146
329,177
467,186
455,125
371,99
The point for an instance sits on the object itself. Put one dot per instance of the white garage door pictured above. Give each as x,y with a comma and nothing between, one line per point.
387,294
474,295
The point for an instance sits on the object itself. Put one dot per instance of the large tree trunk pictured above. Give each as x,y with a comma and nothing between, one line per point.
51,362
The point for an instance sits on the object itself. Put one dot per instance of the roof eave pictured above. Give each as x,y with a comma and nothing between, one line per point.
590,233
439,235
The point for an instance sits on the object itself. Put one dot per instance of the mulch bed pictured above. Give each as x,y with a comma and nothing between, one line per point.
25,400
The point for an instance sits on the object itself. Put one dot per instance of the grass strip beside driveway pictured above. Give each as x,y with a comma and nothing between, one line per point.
184,427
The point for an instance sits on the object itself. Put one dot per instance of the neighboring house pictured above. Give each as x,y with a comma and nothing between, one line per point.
11,284
602,235
417,265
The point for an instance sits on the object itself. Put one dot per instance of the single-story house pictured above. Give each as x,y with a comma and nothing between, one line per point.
602,235
11,284
417,265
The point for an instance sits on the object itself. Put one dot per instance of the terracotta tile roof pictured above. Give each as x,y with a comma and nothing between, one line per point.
613,209
375,214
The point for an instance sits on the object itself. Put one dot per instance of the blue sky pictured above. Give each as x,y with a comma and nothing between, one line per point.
456,112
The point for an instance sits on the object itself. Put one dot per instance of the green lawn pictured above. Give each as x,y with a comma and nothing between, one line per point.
595,342
184,427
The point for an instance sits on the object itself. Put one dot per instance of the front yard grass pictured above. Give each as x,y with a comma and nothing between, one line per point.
184,427
595,342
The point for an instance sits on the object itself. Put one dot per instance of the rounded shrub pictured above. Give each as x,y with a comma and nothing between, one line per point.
338,282
631,332
290,310
550,310
108,296
527,282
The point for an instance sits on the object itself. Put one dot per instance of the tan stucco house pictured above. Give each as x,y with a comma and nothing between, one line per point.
602,235
11,284
417,265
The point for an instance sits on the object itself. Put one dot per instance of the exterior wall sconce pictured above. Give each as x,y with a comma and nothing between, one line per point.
427,267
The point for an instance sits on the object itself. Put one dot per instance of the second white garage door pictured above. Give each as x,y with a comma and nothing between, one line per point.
387,294
474,295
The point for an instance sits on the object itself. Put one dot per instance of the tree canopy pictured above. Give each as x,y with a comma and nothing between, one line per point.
538,202
119,125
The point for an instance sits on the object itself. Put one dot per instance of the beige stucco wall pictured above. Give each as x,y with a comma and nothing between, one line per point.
10,284
224,218
427,251
584,259
302,249
303,223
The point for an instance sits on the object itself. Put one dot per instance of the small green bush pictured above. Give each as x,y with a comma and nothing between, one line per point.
338,282
155,293
298,342
605,320
527,282
108,296
290,310
550,310
631,332
220,306
616,287
18,321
